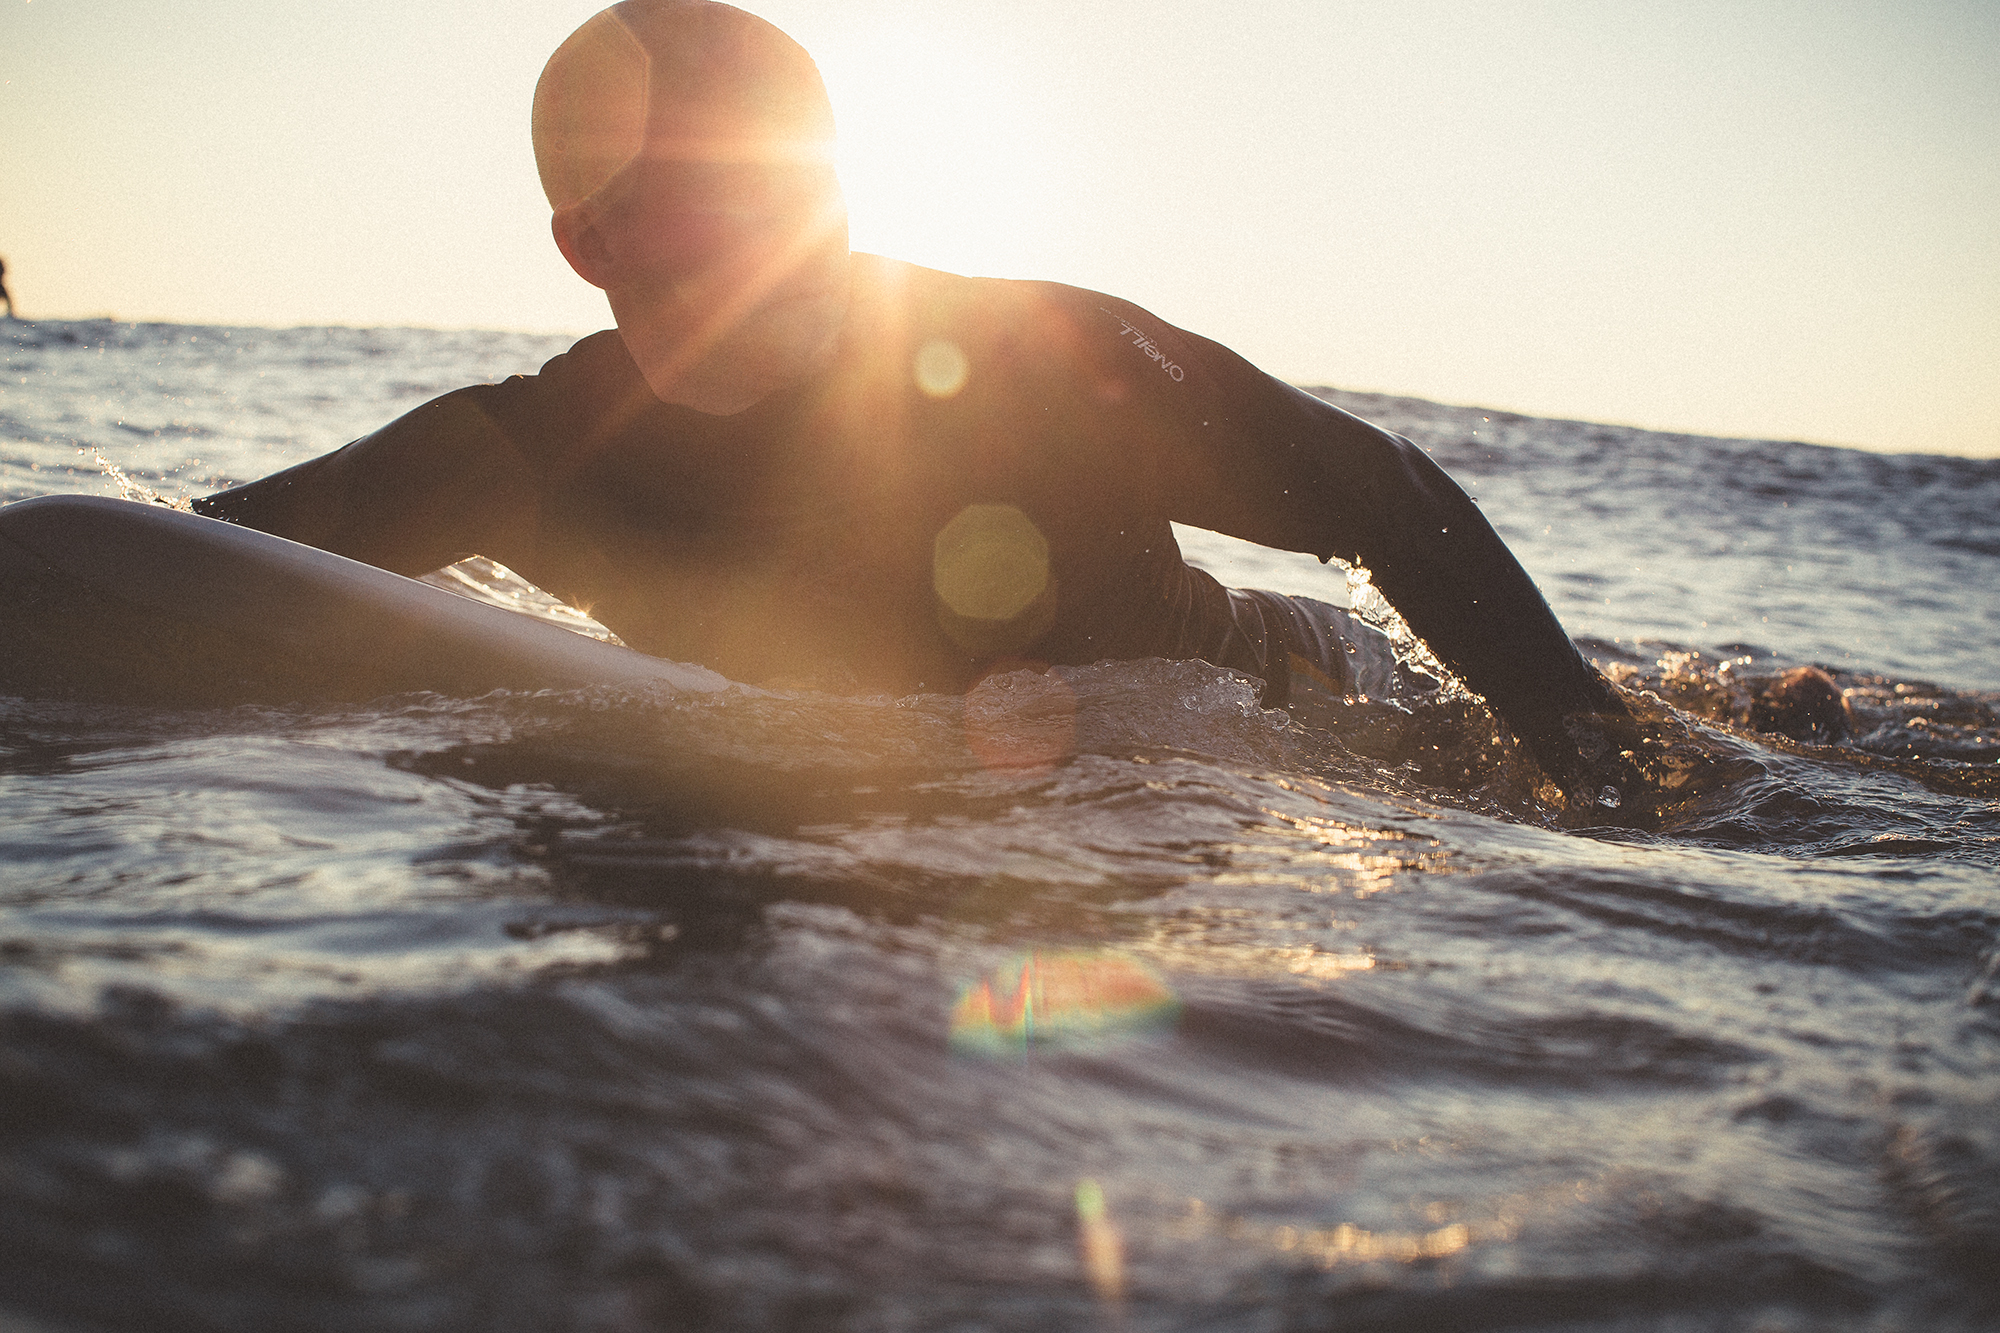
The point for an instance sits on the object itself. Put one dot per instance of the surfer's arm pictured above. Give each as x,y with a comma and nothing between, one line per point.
437,484
1383,505
1256,458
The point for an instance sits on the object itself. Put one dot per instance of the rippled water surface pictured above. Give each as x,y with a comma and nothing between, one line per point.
1096,999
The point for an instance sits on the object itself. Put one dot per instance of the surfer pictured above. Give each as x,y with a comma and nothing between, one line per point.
5,299
798,464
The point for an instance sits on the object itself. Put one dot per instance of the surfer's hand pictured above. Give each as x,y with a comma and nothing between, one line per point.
1608,775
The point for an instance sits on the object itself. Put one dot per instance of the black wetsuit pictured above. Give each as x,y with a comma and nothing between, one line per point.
797,541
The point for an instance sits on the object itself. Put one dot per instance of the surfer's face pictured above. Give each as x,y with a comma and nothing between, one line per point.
687,151
730,223
732,249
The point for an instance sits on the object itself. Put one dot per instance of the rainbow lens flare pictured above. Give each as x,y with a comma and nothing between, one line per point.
1060,998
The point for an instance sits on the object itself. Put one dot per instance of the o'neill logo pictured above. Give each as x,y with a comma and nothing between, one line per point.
1147,345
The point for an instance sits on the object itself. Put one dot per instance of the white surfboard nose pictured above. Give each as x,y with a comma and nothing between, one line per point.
115,599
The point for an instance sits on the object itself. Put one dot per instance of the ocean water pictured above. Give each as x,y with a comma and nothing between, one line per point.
1101,999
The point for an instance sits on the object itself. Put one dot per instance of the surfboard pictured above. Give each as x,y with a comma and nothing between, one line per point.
116,600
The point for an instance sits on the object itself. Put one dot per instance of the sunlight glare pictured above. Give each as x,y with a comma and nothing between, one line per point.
937,151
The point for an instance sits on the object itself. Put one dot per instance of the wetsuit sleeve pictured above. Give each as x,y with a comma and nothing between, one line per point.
1250,456
450,479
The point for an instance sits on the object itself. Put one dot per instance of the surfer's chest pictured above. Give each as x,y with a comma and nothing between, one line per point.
821,542
787,569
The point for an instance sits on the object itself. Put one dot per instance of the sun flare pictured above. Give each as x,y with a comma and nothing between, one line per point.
938,151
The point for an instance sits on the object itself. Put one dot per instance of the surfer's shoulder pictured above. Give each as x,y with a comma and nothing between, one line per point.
594,378
880,281
1034,319
599,361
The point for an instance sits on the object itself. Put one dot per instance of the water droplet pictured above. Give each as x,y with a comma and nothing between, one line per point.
1610,797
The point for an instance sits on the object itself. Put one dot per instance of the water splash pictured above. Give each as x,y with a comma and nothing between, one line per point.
128,489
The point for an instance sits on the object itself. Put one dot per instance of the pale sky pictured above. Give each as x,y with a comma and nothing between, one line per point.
1771,218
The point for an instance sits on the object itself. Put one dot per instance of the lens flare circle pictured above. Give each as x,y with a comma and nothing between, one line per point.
990,562
1060,998
940,368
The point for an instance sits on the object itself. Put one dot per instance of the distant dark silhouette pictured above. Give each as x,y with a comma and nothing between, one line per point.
3,289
